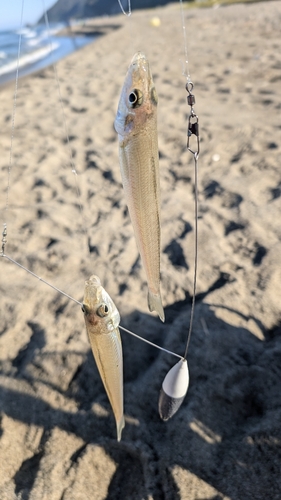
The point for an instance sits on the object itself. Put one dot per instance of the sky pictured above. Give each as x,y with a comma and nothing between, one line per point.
10,12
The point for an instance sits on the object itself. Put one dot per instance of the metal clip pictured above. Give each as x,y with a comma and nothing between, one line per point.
193,121
4,239
193,129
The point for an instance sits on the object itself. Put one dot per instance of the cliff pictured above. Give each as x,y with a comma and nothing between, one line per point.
65,10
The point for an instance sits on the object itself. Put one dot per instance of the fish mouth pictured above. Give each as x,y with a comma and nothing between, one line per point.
94,281
92,293
140,72
140,60
138,57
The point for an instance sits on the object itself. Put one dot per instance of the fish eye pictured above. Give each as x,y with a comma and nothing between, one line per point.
102,310
135,98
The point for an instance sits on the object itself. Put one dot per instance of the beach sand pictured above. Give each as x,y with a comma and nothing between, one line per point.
57,431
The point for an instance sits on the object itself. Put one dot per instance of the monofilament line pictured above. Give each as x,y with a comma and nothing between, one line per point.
186,70
13,121
195,251
72,164
123,10
41,279
193,129
58,88
81,304
150,343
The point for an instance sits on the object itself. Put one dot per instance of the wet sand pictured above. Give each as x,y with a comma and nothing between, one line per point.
57,431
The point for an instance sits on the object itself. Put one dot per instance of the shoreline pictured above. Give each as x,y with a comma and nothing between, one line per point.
68,40
76,34
67,47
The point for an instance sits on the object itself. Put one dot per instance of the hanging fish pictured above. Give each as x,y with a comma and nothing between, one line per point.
136,125
102,320
174,389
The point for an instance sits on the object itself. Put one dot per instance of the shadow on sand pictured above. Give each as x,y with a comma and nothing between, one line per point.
227,432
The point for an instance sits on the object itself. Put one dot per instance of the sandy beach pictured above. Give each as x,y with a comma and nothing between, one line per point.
57,430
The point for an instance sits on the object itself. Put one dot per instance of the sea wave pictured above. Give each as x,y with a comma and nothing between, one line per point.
28,59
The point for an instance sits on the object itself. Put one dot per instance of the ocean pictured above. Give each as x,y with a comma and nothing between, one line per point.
39,47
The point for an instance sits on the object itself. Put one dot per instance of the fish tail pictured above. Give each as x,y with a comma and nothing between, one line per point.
120,424
155,304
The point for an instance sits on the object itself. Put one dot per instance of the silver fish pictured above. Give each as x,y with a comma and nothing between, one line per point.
136,125
102,319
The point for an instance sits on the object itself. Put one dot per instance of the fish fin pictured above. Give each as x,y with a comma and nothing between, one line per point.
120,426
155,304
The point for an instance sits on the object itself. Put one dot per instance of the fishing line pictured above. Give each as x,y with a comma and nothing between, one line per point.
40,279
81,304
150,343
123,10
195,253
59,92
71,160
132,43
192,129
4,240
186,70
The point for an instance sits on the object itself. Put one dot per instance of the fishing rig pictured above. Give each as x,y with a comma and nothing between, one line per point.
176,382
